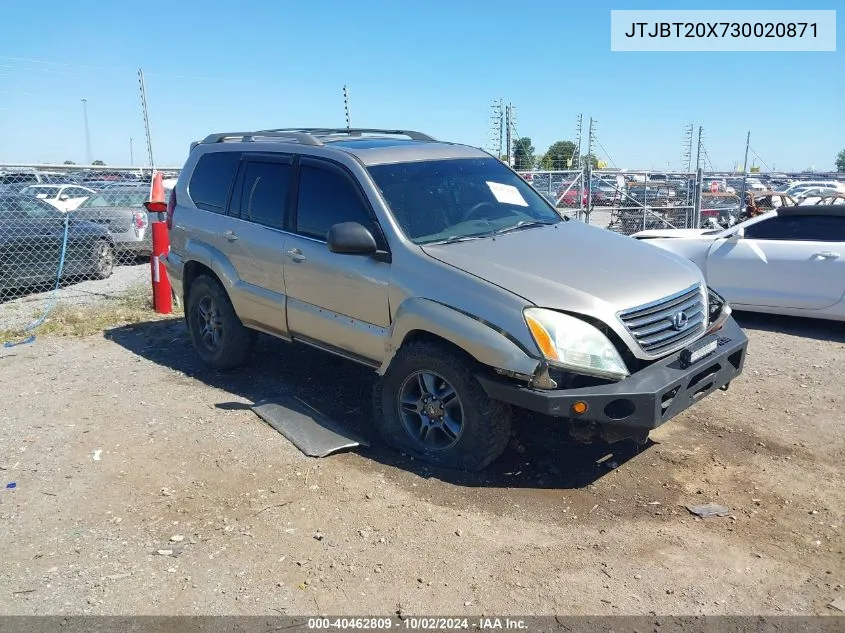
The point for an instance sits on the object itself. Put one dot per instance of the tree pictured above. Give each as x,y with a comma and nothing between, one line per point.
840,161
523,154
593,160
69,162
98,162
559,156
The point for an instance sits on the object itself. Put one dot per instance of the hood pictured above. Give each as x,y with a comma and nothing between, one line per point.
572,266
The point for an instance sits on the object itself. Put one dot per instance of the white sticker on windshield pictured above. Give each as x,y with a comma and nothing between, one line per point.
507,194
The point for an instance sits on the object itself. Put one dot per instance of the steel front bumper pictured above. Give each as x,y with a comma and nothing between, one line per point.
645,399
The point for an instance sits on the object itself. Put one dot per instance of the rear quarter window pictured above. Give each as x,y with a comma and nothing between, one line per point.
211,180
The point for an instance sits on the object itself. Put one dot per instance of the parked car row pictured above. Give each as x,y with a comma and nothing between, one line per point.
32,240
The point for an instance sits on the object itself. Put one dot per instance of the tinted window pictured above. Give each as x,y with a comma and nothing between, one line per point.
818,228
264,194
209,186
327,197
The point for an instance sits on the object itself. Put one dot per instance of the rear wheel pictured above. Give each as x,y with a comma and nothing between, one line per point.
218,335
429,404
102,260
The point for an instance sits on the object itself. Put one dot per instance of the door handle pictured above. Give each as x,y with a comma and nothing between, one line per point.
230,235
828,255
295,254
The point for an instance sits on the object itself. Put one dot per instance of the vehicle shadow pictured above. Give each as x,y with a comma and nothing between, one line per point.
818,329
540,454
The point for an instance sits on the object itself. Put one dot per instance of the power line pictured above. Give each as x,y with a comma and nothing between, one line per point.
606,153
760,159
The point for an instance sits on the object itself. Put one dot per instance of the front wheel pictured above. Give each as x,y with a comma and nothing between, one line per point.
429,404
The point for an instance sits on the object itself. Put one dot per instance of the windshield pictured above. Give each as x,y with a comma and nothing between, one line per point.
38,190
116,199
435,201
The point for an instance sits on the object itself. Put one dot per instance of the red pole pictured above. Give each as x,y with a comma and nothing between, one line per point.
162,295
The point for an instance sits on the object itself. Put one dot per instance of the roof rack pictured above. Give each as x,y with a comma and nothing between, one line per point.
309,135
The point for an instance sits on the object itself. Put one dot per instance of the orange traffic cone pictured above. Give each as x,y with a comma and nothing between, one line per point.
156,202
162,292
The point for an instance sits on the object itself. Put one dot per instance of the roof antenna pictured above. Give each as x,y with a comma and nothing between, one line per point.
346,107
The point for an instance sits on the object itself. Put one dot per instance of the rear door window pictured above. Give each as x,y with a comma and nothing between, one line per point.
212,179
264,187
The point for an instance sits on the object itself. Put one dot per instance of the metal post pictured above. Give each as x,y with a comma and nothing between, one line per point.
346,107
645,198
744,172
589,175
576,157
508,138
501,127
131,153
146,118
696,209
89,158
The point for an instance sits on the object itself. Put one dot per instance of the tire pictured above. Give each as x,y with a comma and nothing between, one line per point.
484,424
102,260
228,343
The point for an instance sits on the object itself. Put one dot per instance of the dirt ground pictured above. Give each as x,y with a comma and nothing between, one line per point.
144,485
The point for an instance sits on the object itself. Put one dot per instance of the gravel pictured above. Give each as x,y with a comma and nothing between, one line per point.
20,312
545,530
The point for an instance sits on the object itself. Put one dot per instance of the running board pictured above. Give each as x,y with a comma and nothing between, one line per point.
310,431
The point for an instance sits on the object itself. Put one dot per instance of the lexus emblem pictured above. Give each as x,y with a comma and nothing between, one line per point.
680,320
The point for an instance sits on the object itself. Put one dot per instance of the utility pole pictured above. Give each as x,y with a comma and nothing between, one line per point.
131,153
508,134
575,161
346,107
698,151
146,118
589,172
744,170
687,155
497,127
89,158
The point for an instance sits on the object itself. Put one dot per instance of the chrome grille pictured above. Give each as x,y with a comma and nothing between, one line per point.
652,325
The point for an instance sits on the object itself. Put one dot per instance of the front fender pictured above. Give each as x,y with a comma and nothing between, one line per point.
477,338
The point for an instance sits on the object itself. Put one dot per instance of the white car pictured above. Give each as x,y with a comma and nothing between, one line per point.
798,188
815,195
63,197
787,261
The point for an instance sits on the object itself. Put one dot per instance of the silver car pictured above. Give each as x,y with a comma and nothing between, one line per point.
443,270
121,210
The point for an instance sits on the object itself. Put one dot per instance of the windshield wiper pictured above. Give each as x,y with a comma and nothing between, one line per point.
457,238
524,224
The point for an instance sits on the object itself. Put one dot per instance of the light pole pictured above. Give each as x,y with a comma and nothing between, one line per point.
89,158
131,153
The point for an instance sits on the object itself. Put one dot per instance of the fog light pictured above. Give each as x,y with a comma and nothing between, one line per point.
697,352
579,408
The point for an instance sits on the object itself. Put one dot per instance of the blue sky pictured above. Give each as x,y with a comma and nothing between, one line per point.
435,66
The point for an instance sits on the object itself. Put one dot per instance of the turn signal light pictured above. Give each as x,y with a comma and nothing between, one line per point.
579,408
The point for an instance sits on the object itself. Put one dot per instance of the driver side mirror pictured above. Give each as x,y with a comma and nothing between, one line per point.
351,238
738,234
64,196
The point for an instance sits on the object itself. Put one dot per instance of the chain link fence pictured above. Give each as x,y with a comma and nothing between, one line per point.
70,234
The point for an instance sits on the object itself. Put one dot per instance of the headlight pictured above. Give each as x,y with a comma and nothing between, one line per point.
574,344
718,311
